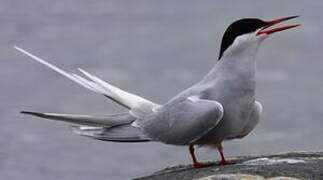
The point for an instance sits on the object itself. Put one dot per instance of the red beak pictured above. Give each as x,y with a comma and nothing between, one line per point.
267,31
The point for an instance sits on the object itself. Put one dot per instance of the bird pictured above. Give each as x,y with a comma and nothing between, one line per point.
219,107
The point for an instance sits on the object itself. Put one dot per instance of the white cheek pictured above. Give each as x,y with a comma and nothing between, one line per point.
245,45
245,41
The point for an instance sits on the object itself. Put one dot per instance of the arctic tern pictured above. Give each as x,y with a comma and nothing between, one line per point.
219,107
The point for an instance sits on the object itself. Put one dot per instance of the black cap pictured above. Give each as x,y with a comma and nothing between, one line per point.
237,28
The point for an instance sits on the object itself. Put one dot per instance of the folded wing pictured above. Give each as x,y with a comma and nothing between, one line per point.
183,122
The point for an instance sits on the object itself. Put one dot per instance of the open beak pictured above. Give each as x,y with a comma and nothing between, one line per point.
273,22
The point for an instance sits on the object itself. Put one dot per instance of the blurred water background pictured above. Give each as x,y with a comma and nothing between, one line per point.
154,49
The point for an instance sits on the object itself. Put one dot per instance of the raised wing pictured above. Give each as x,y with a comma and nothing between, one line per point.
93,83
183,122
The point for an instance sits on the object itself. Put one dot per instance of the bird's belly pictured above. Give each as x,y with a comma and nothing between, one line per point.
236,115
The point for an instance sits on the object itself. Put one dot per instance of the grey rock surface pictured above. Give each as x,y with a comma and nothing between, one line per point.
298,165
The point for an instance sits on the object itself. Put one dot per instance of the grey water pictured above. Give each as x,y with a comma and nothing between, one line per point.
154,49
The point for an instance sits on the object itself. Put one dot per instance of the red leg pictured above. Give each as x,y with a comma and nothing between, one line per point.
197,164
223,161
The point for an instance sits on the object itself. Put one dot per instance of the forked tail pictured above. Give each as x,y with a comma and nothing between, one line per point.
115,127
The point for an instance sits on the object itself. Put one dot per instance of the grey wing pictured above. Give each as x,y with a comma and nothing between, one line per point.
184,122
88,120
114,127
122,133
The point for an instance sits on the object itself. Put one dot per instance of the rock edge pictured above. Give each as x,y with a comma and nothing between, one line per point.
293,165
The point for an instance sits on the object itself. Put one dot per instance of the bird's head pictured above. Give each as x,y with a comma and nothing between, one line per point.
249,32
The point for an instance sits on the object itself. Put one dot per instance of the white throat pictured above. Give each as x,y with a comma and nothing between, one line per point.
238,59
243,47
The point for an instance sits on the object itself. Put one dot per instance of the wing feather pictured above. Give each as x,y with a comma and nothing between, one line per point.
183,122
88,120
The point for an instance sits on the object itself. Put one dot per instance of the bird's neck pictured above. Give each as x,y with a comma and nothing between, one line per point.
235,64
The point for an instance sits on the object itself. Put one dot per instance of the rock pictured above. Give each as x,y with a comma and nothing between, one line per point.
243,177
288,166
232,177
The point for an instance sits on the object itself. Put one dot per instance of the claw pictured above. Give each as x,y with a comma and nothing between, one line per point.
223,162
197,164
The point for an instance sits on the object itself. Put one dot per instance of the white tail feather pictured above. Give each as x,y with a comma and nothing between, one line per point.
122,96
88,84
97,85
